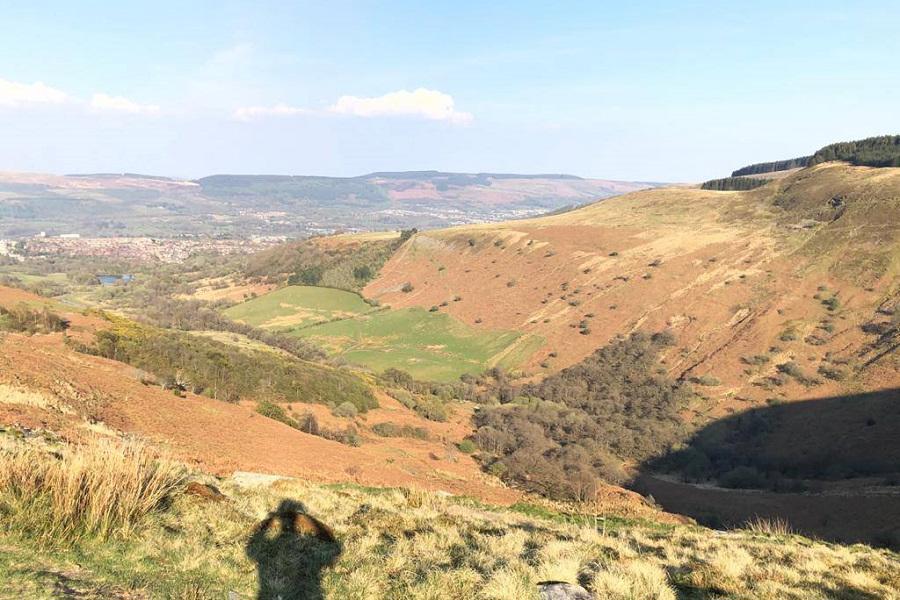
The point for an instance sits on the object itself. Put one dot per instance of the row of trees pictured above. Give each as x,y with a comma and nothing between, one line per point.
218,370
734,183
771,167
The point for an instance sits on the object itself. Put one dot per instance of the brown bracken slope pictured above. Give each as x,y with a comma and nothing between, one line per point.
734,275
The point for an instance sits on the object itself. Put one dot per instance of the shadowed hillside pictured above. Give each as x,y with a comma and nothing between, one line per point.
830,467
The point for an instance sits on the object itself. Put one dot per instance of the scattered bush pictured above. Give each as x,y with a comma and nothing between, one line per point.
833,372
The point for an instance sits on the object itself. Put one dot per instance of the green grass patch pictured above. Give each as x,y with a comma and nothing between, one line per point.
298,306
429,345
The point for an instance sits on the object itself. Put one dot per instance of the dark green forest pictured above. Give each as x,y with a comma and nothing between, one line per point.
881,151
733,184
771,167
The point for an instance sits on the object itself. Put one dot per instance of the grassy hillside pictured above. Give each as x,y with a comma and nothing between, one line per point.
300,540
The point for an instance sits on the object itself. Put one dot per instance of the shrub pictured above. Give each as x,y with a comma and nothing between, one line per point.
832,303
431,408
348,436
274,411
97,489
308,423
707,380
467,446
756,359
833,372
407,288
788,335
389,429
743,478
663,338
345,410
790,368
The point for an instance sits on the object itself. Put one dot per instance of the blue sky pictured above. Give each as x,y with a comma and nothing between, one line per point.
659,91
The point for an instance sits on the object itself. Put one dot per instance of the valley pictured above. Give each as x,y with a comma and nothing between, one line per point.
679,356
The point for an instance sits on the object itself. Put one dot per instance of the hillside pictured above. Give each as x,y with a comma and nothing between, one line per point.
46,385
271,205
746,281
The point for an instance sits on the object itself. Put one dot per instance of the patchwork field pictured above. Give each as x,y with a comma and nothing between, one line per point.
298,306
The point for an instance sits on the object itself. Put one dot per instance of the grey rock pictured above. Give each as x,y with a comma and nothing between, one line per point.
560,590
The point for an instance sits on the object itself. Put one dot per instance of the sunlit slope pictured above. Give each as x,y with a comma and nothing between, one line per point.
744,279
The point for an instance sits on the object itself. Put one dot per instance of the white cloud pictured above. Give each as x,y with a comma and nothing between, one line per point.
248,113
104,102
428,104
16,94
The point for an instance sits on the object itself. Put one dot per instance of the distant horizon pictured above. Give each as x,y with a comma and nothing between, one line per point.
136,174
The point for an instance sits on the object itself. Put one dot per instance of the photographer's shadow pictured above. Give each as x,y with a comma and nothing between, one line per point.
291,549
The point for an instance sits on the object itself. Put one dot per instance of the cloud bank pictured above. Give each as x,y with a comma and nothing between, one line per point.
421,103
248,113
104,102
17,95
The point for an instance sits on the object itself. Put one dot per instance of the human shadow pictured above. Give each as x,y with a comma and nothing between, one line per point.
291,549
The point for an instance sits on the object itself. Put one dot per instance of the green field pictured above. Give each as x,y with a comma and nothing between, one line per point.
432,346
429,345
298,306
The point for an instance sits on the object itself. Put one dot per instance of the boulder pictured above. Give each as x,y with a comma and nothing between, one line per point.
560,590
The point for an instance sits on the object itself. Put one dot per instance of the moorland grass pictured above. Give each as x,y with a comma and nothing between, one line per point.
399,544
93,490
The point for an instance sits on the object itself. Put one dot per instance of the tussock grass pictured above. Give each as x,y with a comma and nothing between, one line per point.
775,527
95,489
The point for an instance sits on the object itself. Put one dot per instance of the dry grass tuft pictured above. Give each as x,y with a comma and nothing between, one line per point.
763,526
95,489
